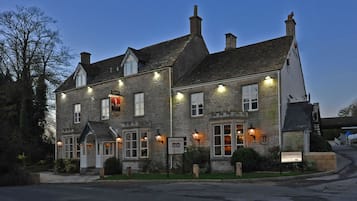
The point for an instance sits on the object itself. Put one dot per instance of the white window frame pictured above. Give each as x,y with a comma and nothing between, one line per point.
81,79
108,151
239,135
105,109
144,144
197,104
250,94
71,147
221,136
77,113
139,102
130,66
131,145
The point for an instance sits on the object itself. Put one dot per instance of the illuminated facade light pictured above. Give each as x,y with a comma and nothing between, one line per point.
179,96
156,75
221,88
268,80
120,82
119,139
89,89
63,95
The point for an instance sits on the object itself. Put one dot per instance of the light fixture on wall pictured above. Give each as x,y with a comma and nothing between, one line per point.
119,139
179,96
221,88
63,95
145,137
196,136
120,82
89,89
59,143
159,137
268,80
251,131
156,75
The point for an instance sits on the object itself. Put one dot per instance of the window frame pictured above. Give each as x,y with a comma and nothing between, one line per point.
197,104
130,66
105,109
108,151
222,137
140,142
81,79
250,96
71,146
77,113
139,104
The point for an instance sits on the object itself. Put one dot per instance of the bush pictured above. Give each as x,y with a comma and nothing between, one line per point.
151,166
112,166
248,157
67,165
271,162
197,155
319,144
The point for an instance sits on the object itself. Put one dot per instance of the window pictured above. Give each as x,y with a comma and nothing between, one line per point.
197,104
130,66
222,140
71,146
239,135
250,97
81,78
131,144
105,109
108,149
144,149
77,113
139,104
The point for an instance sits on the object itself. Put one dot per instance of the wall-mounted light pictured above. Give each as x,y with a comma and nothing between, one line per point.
145,137
63,95
119,139
221,88
179,96
268,80
251,131
196,136
120,82
156,75
59,143
89,89
159,137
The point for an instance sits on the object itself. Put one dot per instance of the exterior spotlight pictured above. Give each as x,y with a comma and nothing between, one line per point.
145,137
119,139
196,136
159,137
90,89
59,143
156,75
251,131
268,80
63,95
120,82
221,88
179,96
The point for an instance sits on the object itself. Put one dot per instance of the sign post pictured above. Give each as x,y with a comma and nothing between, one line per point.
175,145
291,157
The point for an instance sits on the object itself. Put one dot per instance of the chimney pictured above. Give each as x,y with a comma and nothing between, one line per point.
85,58
290,25
231,41
195,23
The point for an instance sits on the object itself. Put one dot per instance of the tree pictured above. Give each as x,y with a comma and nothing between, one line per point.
32,54
349,111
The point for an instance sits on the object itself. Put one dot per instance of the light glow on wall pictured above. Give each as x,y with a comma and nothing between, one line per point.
156,75
221,88
268,80
63,95
179,96
89,89
120,82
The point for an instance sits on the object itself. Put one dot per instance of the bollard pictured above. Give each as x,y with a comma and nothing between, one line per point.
196,171
128,171
238,169
101,173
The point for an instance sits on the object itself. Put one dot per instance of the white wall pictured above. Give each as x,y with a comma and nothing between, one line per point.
292,81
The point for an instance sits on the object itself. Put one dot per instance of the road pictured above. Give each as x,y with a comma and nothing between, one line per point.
335,187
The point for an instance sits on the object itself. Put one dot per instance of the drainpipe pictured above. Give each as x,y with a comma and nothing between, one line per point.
279,111
171,115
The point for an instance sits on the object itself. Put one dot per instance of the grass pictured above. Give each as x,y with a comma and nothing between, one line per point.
222,176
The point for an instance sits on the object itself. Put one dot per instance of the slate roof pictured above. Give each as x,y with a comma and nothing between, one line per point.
152,57
256,58
298,117
338,122
100,129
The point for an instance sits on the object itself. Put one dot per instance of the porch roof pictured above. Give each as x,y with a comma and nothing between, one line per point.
99,129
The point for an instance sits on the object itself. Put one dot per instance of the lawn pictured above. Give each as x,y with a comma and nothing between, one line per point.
222,176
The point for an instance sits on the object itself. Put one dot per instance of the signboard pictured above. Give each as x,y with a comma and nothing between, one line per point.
291,157
176,145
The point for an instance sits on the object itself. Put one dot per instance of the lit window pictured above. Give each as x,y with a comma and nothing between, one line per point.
250,97
144,149
139,104
239,136
130,66
81,78
222,140
131,144
105,109
71,147
197,104
77,113
108,149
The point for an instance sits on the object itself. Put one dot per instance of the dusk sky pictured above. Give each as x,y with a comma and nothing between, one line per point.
326,32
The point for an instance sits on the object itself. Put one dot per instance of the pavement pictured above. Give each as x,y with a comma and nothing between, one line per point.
50,177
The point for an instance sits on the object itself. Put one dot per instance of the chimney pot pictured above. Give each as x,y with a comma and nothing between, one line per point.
231,41
290,25
85,58
195,23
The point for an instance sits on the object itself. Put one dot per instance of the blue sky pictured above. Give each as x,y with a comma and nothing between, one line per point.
326,32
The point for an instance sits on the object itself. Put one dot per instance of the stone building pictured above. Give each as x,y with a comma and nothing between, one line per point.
131,106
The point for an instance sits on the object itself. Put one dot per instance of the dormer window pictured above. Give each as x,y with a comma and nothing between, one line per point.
80,76
130,66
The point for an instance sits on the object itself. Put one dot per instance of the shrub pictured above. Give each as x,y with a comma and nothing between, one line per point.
197,155
319,144
60,166
67,165
112,166
271,162
151,166
248,157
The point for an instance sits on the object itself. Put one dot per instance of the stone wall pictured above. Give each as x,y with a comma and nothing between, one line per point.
324,161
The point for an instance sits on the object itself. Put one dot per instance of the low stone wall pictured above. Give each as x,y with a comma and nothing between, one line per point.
324,161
